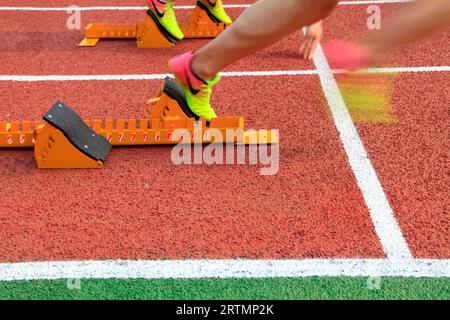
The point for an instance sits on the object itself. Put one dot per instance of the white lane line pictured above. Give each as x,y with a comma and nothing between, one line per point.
162,269
400,70
100,8
158,76
269,73
132,8
100,77
386,226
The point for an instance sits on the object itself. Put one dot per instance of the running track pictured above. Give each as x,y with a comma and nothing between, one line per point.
347,195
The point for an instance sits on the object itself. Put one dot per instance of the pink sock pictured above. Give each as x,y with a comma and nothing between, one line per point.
181,67
157,3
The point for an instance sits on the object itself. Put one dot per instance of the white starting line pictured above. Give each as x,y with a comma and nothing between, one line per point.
192,269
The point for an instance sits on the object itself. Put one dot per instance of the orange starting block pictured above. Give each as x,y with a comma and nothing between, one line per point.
201,24
149,33
66,141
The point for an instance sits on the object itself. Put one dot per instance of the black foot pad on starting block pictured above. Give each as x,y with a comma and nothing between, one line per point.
77,132
173,90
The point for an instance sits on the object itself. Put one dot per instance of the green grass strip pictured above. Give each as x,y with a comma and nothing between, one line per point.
260,288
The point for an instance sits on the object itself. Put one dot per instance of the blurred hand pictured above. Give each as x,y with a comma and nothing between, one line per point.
311,41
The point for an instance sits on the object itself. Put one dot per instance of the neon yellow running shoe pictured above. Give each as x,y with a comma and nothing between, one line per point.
197,91
166,16
216,9
200,103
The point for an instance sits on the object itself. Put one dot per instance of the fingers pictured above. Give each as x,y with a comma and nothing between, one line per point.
311,41
309,47
307,50
303,46
313,48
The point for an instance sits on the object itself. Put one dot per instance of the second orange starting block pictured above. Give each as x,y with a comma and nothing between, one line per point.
149,33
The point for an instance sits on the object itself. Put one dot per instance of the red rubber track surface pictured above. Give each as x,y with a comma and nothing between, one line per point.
411,158
143,206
